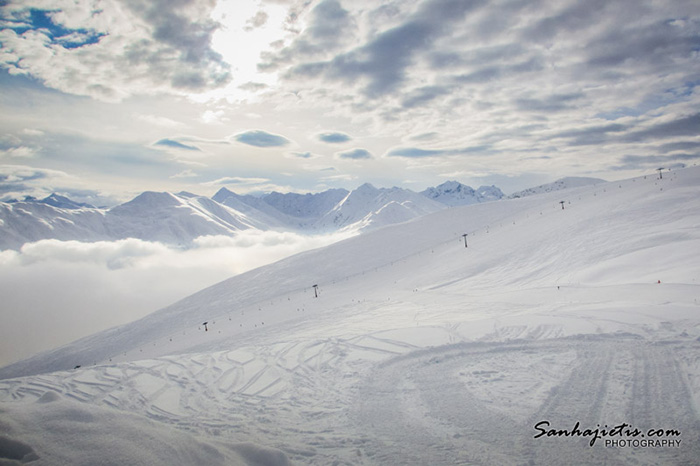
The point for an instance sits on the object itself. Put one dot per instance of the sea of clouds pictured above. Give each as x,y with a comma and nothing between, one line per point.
57,291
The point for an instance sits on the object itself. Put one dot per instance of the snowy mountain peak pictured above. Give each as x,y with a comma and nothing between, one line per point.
63,202
454,193
366,188
149,200
489,193
222,194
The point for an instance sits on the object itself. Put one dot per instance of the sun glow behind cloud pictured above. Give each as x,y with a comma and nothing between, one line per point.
248,28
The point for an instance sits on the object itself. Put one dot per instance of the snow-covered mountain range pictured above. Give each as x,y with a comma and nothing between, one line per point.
403,346
180,218
453,193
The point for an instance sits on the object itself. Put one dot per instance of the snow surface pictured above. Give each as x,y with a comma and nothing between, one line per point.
417,350
564,183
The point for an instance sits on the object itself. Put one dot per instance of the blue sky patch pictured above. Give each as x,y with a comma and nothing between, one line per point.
41,20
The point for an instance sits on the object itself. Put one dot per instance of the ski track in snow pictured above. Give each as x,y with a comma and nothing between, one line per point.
448,365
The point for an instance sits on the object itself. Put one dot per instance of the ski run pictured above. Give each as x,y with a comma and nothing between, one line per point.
558,328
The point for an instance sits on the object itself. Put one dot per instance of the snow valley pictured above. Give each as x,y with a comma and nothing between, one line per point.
441,340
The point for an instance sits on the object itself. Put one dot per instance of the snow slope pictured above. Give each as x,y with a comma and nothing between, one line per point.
417,350
564,183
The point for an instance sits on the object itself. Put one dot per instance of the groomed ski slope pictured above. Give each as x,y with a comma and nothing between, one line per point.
417,350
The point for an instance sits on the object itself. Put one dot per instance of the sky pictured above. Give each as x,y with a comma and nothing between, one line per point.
101,100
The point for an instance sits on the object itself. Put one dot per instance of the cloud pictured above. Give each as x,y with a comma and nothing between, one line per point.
500,77
22,179
411,152
301,155
185,174
18,152
643,45
354,154
334,137
631,162
210,117
632,132
569,19
383,62
18,181
121,49
159,121
551,103
330,27
685,126
253,86
97,164
238,180
424,95
87,287
259,138
258,20
484,73
175,145
414,152
339,177
679,146
424,136
591,135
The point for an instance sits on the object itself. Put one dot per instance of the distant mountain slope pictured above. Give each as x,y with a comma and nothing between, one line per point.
306,206
175,219
368,207
364,208
564,183
454,193
28,221
63,202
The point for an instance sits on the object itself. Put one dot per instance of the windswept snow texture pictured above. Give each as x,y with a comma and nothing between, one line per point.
417,350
